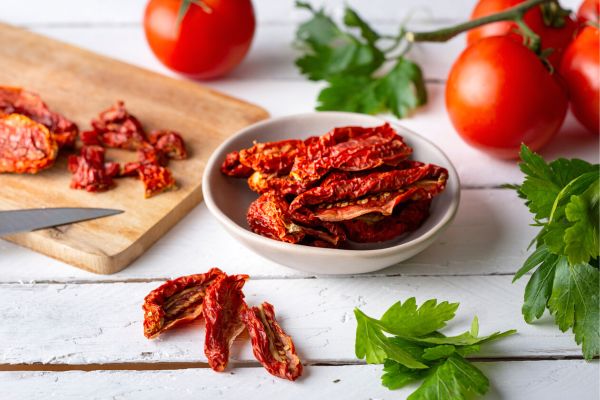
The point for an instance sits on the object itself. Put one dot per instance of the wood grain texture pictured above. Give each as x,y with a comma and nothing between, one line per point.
79,84
102,323
549,380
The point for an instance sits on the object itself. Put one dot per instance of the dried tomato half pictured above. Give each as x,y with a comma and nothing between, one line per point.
269,216
169,143
156,179
90,172
383,203
233,167
357,186
25,145
271,346
20,101
379,228
176,302
117,128
223,306
272,157
284,185
350,149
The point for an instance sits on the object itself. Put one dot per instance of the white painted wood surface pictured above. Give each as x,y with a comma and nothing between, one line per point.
548,380
58,317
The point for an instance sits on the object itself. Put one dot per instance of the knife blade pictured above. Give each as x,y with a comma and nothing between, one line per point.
17,221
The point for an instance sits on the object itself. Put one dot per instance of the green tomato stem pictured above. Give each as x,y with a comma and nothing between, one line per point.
512,14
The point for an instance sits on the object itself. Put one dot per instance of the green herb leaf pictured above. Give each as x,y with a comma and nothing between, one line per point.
574,304
375,347
405,319
352,19
331,51
437,352
543,182
581,239
396,375
355,68
539,287
455,378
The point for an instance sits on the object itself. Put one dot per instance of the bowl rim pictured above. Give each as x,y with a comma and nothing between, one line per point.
214,161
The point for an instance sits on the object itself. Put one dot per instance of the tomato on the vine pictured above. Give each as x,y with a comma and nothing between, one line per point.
499,95
211,38
589,10
580,68
556,39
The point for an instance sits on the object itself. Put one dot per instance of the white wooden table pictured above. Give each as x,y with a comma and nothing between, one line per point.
71,334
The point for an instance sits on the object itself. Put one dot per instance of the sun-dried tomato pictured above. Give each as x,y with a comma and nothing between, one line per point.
356,187
156,179
117,128
168,142
262,183
151,155
90,138
232,167
26,146
90,172
350,149
271,346
383,203
272,157
223,305
20,101
269,216
176,302
377,228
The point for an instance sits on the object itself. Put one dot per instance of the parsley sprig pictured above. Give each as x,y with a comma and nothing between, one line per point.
407,341
564,197
360,75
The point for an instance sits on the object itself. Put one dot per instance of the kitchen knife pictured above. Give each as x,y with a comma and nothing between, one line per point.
30,220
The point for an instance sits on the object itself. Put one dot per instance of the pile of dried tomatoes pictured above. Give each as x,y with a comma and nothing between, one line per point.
219,299
351,184
31,136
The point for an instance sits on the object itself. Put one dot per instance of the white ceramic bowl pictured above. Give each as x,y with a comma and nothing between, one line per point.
228,199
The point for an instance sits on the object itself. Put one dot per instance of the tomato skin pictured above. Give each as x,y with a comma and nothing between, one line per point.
206,44
555,38
580,68
589,10
500,95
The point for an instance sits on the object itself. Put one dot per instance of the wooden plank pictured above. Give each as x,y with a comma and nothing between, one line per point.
80,84
488,236
102,323
530,380
267,11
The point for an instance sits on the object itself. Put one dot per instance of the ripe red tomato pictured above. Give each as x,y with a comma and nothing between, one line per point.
580,68
589,10
499,95
209,42
555,38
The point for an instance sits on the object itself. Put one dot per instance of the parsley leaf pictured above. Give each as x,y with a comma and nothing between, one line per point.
358,75
574,303
405,319
330,51
455,378
581,239
419,351
564,195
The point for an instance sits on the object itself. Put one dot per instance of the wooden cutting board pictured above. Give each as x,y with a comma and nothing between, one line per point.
80,84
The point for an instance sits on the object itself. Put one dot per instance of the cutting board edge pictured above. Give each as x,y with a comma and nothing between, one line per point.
107,264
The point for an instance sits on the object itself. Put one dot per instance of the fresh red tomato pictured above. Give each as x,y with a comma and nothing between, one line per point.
552,38
589,10
580,68
211,39
499,95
